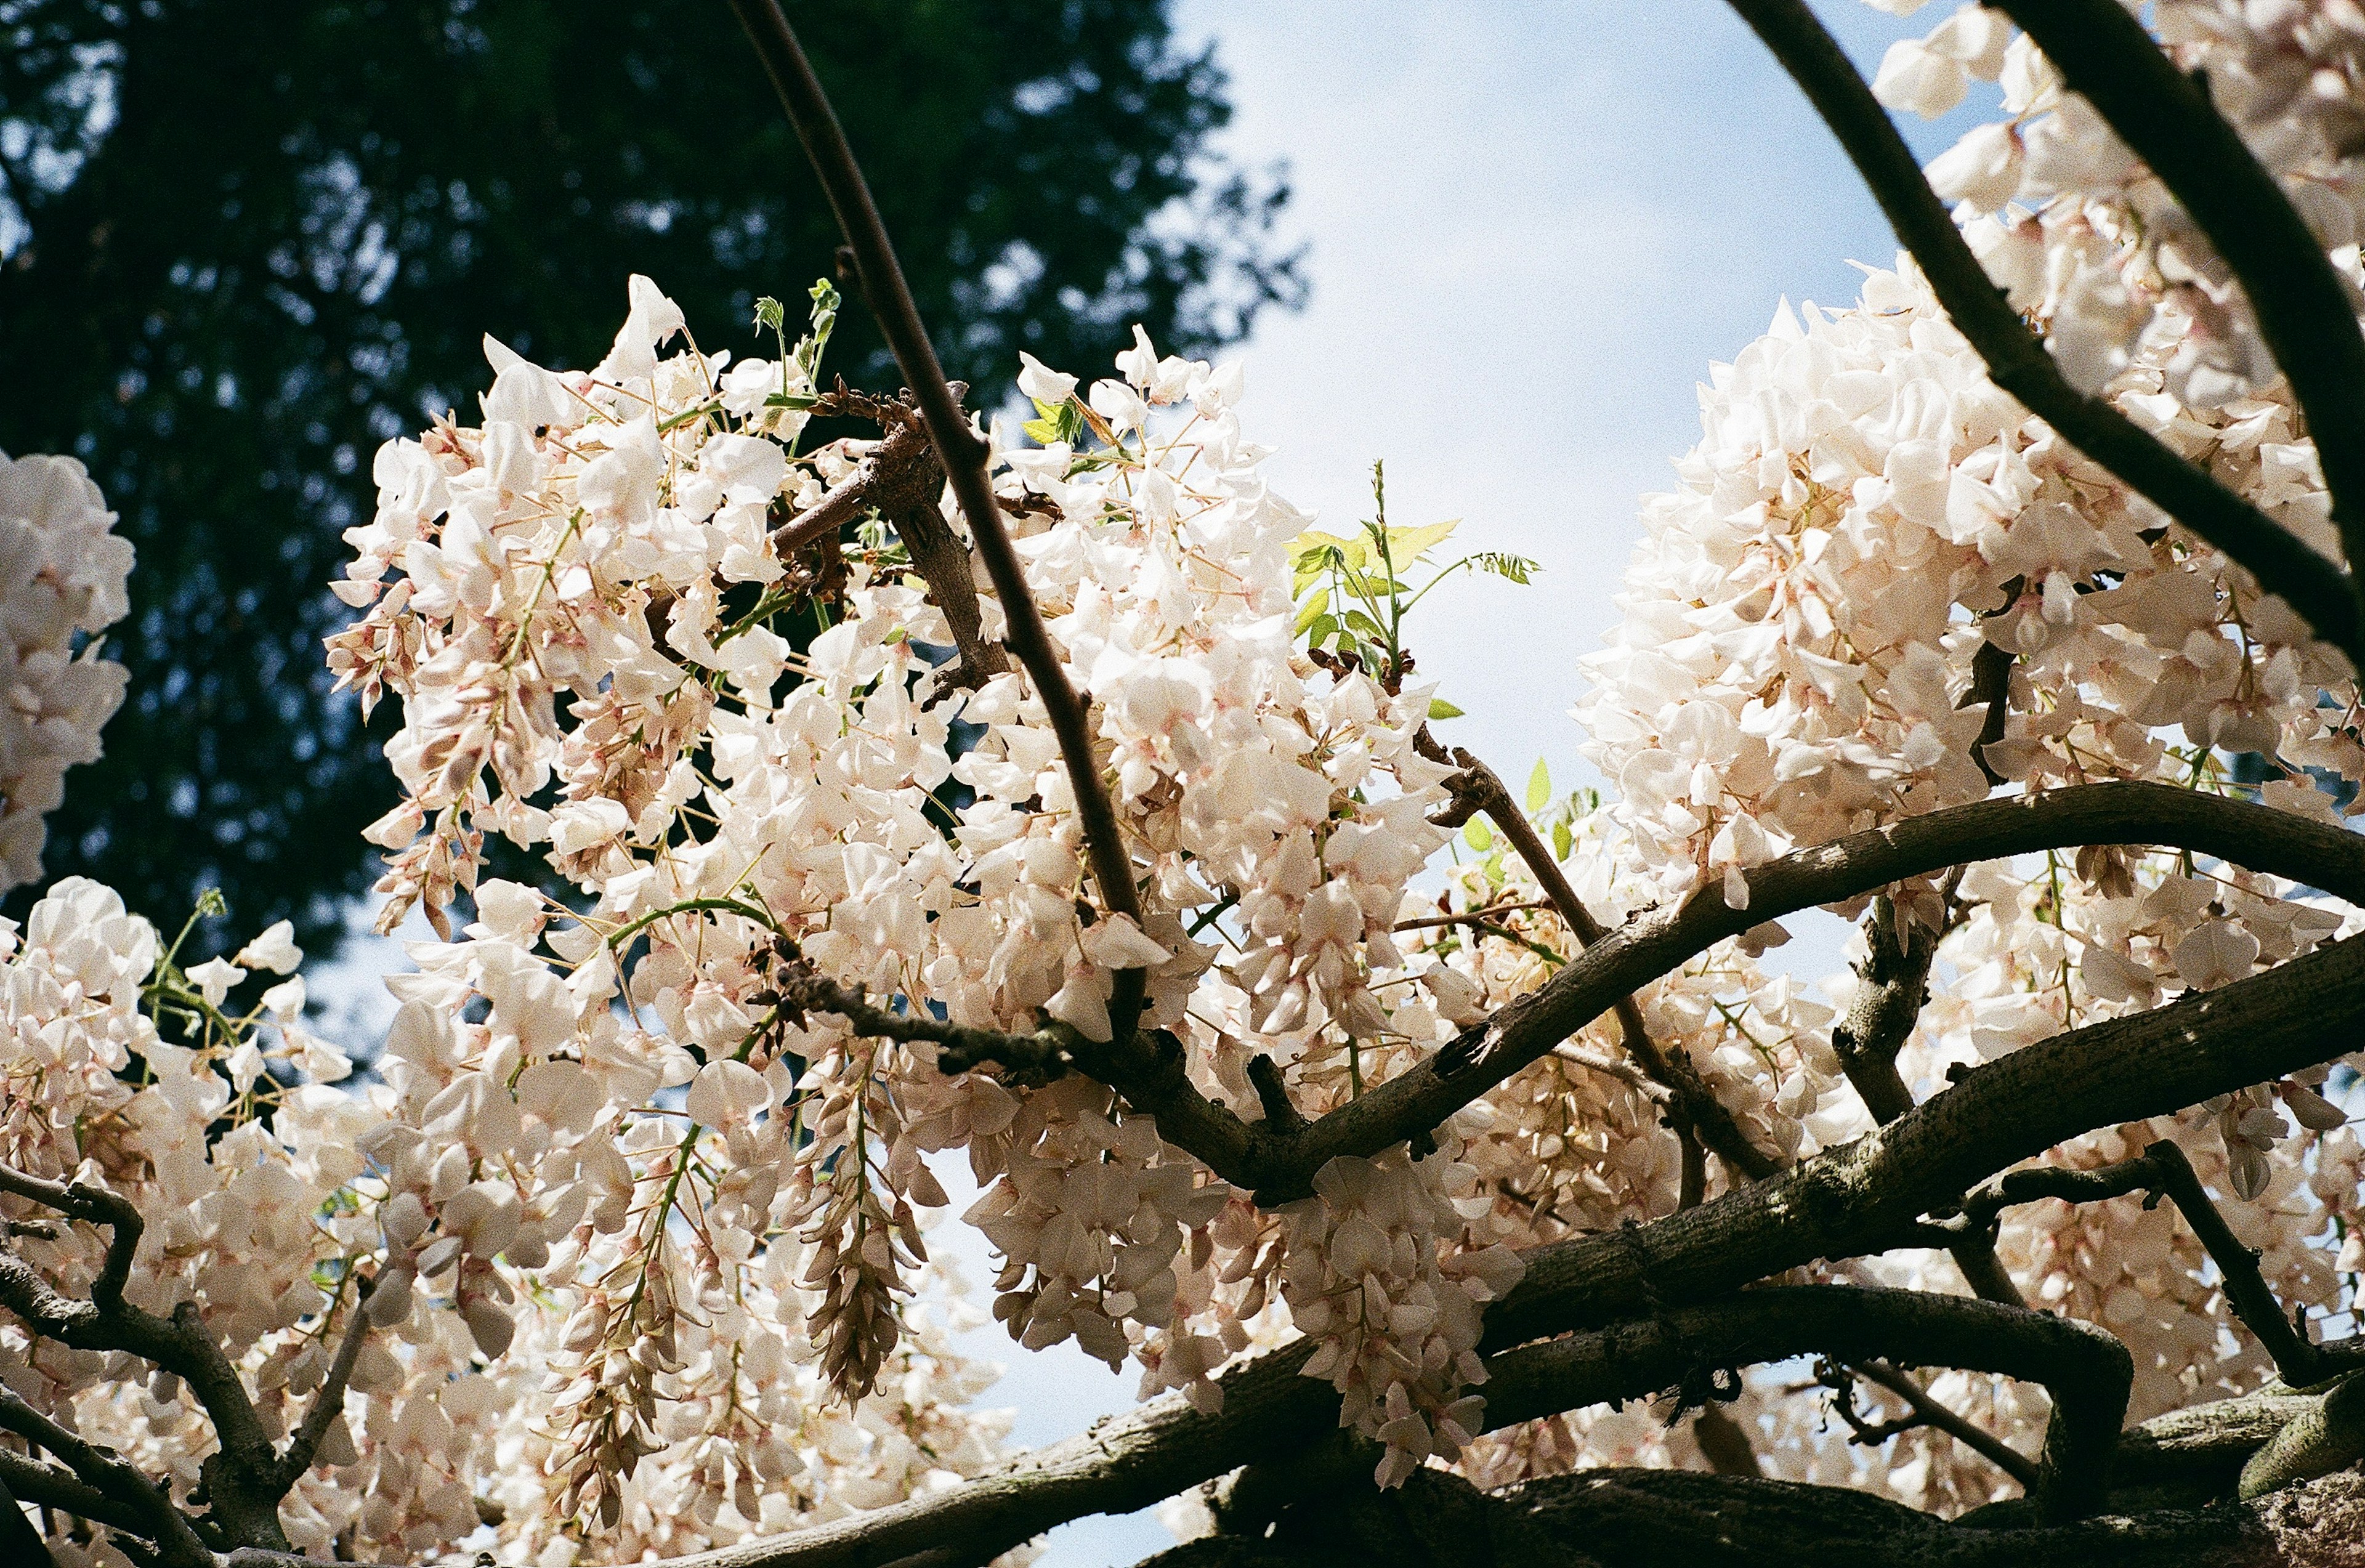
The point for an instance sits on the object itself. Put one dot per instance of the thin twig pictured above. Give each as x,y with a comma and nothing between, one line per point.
1695,1111
2316,588
963,455
1929,1412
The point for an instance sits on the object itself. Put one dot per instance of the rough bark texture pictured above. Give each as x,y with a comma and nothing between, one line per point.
1657,1518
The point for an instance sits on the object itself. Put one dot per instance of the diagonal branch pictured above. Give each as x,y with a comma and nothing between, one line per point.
1843,1202
47,1486
1279,1166
1696,1111
1929,1412
131,1495
1658,941
2302,305
2164,1172
1868,1195
964,456
327,1406
2317,590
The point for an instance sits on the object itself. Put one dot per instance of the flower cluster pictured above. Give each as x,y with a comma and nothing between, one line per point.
630,1228
61,583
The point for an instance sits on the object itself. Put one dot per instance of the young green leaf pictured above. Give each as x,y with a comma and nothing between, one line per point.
1477,834
1439,708
1539,787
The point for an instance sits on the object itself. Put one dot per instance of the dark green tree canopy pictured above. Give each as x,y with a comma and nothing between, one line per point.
241,245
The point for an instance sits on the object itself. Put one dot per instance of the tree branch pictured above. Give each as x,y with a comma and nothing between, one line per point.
238,1474
2316,588
92,1205
2303,307
1893,982
902,478
963,455
1695,1111
1929,1412
1843,1202
1659,941
47,1486
131,1495
1863,1197
327,1406
2163,1171
1278,1166
2087,1371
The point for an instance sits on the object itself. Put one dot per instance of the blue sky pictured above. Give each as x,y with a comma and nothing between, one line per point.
1531,229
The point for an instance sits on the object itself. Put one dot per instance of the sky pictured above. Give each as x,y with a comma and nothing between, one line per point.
1530,229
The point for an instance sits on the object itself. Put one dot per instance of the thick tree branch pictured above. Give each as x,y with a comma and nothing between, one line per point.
963,455
47,1486
2087,1371
2303,307
1650,1518
1862,1196
2317,590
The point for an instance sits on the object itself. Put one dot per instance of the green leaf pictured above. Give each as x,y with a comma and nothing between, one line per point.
1407,545
1316,551
1365,625
1320,628
1439,708
1313,609
1477,834
1562,840
1539,787
1060,423
1516,568
769,313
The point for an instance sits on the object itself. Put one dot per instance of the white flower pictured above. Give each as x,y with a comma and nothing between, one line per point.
275,950
214,978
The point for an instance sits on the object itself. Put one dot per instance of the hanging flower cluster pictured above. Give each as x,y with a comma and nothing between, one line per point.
61,581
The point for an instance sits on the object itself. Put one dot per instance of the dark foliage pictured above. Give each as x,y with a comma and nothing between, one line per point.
245,243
